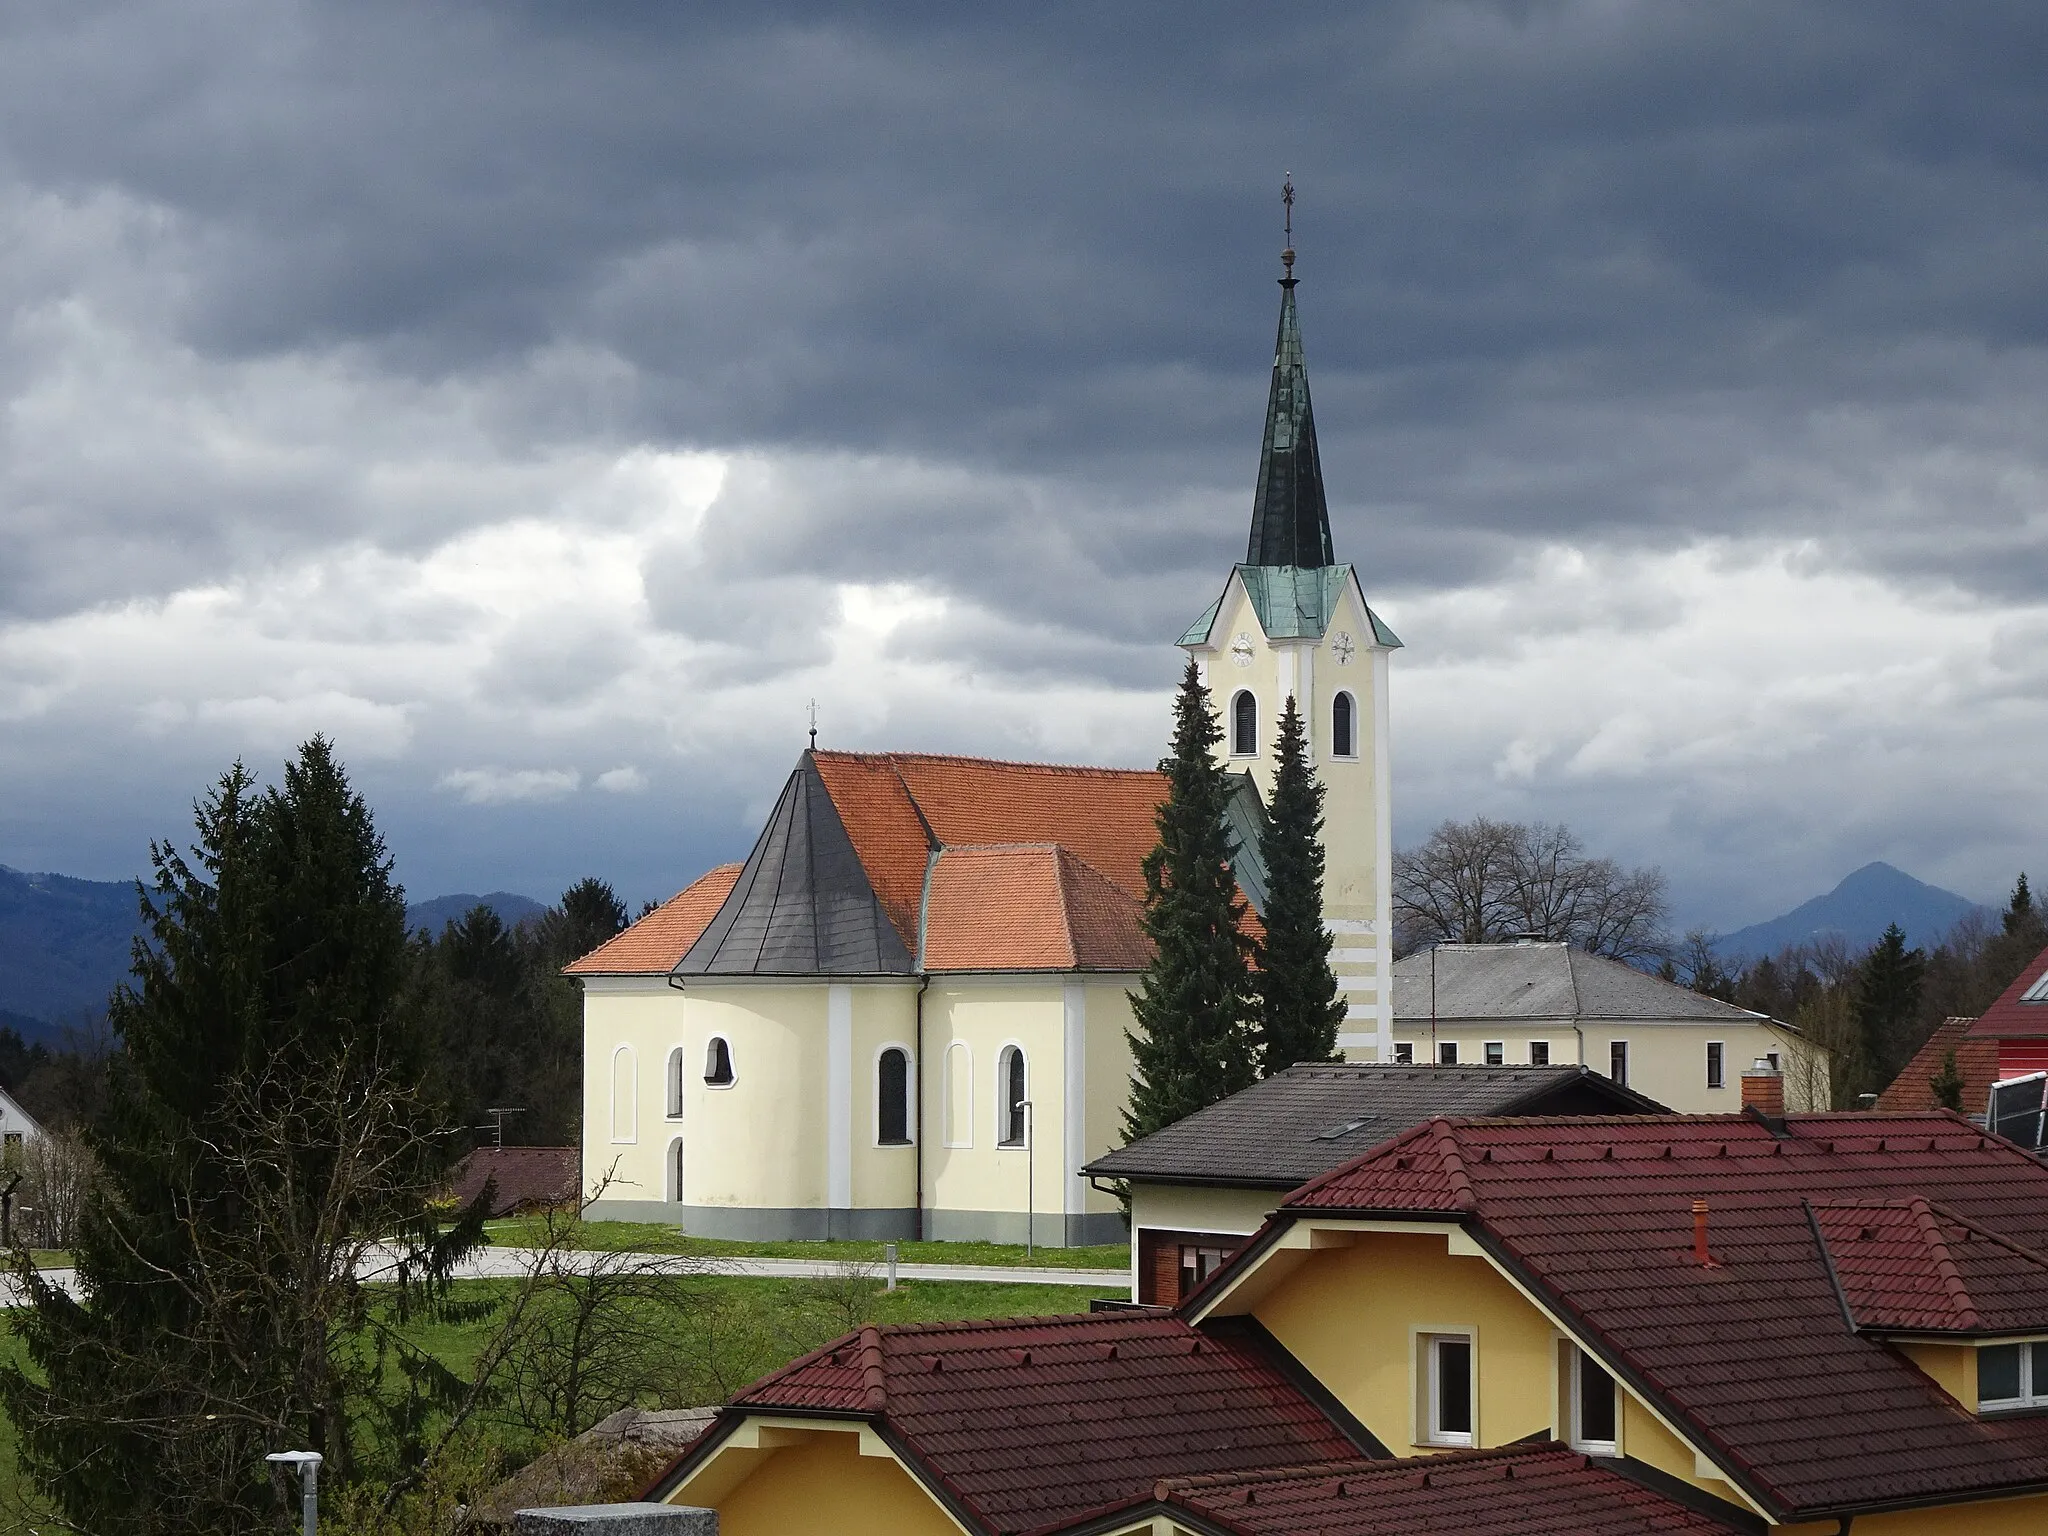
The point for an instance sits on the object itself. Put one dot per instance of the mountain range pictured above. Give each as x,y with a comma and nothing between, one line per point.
64,943
1858,910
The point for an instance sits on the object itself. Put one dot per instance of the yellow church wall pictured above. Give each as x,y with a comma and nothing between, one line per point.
884,1178
1108,1068
1351,831
804,1480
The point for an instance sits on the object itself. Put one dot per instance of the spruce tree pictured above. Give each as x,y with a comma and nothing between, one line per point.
1299,1009
1947,1084
263,1130
1887,997
2019,911
1193,1042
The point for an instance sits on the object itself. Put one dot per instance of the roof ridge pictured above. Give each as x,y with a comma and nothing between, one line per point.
1952,1283
1066,903
874,1386
1944,1213
1340,1467
1446,1139
892,759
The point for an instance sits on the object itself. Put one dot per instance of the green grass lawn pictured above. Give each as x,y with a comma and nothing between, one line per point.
657,1237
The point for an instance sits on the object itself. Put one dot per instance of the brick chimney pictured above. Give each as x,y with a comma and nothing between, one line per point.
1763,1090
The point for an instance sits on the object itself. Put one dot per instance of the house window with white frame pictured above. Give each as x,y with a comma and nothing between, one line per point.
1717,1071
1594,1405
1448,1389
1447,1053
2012,1376
1404,1052
1539,1053
1496,1053
1617,1061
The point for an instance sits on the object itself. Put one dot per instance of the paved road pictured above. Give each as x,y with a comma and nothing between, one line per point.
511,1263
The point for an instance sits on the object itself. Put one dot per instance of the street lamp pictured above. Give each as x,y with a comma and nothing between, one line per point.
308,1463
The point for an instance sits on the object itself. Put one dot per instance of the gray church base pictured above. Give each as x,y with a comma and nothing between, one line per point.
616,1520
763,1224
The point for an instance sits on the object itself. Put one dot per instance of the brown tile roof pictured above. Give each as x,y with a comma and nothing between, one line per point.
1752,1357
1910,1267
1033,1421
2011,1019
653,945
1024,907
1976,1059
1541,1489
524,1177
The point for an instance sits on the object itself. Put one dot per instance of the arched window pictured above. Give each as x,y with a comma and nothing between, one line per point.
1244,724
624,1122
675,1171
892,1097
1343,726
1014,1092
678,1074
718,1063
959,1095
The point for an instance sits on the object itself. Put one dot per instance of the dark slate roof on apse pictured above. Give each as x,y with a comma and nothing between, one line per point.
1908,1266
1543,981
1290,514
1754,1357
1541,1489
2012,1017
1317,1116
802,904
1030,1421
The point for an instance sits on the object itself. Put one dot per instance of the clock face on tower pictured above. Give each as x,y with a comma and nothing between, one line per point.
1343,647
1241,649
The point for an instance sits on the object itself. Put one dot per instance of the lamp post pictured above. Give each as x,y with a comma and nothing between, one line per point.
1029,1193
308,1463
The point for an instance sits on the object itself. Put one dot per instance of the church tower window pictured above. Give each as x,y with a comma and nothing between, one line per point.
1343,726
1244,724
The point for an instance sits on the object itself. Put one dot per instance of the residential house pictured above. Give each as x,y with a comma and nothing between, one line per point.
1537,1003
2018,1022
1201,1186
1976,1064
17,1127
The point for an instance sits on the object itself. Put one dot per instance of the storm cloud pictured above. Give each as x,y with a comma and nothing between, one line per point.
550,402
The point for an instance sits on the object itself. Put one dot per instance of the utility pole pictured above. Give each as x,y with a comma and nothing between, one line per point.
1029,1193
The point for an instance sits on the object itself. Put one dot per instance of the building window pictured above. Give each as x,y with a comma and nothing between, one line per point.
1593,1407
1244,724
1198,1264
1539,1053
1496,1053
1011,1087
718,1063
959,1095
1343,726
1404,1052
1772,1058
624,1126
1447,1053
678,1074
1447,1362
1617,1061
675,1171
2012,1376
1717,1076
892,1097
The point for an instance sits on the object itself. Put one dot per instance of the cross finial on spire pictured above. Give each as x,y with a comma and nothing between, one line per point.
814,725
1287,201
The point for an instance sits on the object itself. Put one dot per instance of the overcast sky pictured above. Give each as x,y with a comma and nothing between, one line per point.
546,401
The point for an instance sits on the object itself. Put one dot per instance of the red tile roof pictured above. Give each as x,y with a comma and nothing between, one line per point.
1518,1490
1033,1421
653,945
1023,906
2009,1018
524,1177
1752,1357
1977,1060
1911,1267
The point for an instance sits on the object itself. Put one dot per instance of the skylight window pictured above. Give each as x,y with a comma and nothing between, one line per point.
2038,992
1344,1128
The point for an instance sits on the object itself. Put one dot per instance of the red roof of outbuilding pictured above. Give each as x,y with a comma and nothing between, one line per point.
1517,1490
1976,1060
1753,1356
1033,1421
2010,1018
522,1177
1911,1267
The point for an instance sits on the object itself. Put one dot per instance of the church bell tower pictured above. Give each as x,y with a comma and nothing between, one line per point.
1293,621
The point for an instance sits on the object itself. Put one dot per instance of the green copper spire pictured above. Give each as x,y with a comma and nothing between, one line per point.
1290,517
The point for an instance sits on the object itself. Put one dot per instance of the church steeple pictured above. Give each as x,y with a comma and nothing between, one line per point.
1290,515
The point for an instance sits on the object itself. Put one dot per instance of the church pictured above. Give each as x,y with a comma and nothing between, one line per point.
904,1015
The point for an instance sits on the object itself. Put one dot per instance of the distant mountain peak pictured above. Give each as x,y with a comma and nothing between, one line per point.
1862,905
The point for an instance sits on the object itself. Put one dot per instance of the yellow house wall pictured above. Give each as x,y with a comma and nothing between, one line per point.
1990,1517
817,1483
1952,1367
1668,1062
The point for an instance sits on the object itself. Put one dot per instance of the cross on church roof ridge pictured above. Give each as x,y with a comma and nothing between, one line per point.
1290,512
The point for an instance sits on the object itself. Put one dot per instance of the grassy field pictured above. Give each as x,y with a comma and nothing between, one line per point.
656,1237
739,1328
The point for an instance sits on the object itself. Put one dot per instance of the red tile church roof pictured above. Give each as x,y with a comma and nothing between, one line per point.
658,940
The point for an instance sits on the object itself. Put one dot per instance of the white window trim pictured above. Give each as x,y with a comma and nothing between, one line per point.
1441,1047
1422,1341
1002,1097
1625,1062
1711,1064
669,1175
631,1118
1230,724
1578,1439
1546,1053
2033,1394
732,1062
1488,1050
909,1092
956,1135
675,1080
1352,755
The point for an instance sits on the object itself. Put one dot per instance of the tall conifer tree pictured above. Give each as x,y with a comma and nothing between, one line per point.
1887,996
1193,1044
1299,1009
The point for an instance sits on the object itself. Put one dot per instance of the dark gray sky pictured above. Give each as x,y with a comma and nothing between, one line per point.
547,401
